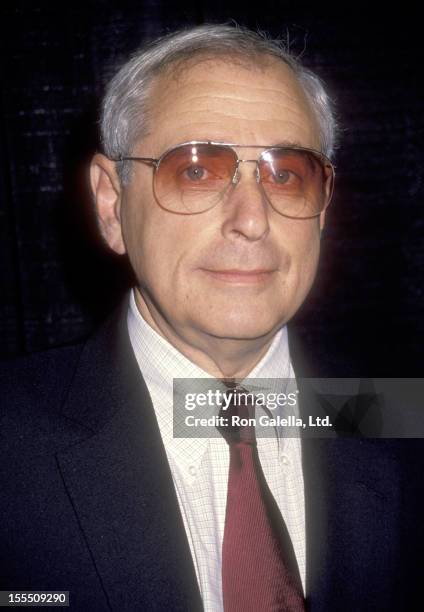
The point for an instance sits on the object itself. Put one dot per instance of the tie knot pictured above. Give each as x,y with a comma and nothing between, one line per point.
238,416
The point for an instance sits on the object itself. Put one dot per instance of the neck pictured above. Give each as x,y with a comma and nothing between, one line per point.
219,357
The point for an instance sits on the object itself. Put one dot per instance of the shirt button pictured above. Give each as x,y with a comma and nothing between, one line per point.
284,460
192,470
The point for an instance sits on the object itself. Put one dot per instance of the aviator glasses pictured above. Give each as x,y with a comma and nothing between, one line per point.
192,177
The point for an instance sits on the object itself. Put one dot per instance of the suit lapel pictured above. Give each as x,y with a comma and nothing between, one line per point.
120,484
352,524
352,513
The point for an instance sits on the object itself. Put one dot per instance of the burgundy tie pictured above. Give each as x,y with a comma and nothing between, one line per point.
259,568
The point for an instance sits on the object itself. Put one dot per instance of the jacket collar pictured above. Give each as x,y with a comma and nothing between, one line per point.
120,483
352,556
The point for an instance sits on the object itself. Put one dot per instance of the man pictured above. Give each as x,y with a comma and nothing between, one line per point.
215,180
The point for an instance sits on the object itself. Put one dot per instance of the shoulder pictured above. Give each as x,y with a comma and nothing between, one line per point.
32,391
36,391
38,376
29,372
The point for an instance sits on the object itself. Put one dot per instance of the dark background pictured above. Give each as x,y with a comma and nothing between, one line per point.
57,280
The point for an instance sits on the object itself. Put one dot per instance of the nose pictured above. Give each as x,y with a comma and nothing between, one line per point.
246,209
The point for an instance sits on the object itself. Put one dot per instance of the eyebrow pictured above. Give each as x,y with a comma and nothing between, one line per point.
283,143
288,143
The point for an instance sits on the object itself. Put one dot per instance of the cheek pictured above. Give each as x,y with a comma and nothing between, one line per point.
304,254
157,244
135,230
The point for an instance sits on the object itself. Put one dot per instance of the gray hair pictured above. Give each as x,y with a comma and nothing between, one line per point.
125,105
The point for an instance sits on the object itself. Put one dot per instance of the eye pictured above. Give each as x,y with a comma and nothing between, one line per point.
282,176
195,173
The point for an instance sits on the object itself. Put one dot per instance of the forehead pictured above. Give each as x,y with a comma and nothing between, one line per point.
213,99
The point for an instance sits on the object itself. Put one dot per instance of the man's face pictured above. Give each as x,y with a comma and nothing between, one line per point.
182,261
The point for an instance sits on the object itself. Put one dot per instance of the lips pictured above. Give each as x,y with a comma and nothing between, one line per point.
235,275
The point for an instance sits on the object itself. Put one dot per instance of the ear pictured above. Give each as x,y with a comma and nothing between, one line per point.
329,187
322,220
107,194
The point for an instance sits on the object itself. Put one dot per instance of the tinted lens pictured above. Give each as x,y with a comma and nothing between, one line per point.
298,183
191,178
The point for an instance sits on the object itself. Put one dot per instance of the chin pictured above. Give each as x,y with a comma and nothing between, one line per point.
242,326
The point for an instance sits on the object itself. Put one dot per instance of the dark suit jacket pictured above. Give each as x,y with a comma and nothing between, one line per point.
88,504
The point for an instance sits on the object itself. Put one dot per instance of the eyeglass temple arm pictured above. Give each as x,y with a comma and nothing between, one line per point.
146,160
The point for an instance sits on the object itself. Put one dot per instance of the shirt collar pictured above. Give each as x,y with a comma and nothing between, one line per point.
160,362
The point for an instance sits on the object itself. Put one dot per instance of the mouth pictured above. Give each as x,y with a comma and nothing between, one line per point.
236,276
